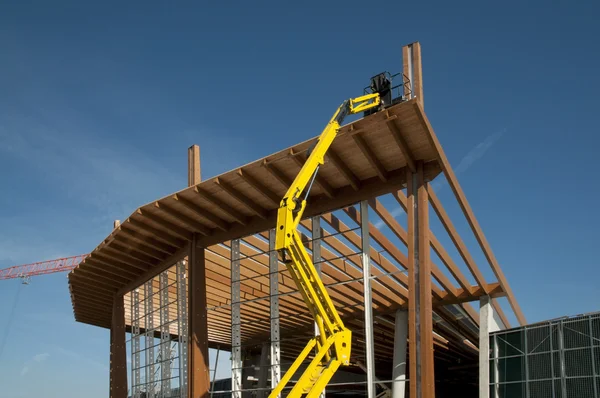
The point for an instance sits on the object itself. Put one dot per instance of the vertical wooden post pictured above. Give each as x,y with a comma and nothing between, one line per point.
194,176
118,352
198,370
422,380
413,70
198,363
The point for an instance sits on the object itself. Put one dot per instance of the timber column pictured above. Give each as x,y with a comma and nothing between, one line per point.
420,312
118,352
198,366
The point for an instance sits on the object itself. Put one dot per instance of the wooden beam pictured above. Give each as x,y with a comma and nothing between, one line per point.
127,256
169,226
473,293
426,310
118,352
151,273
194,175
157,233
343,197
397,229
500,313
278,174
148,241
370,156
198,366
466,208
455,237
417,69
300,159
190,222
343,169
242,199
260,188
109,259
401,142
108,267
238,217
143,250
216,221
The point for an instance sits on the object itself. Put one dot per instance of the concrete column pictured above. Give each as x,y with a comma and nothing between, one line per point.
366,264
487,324
400,344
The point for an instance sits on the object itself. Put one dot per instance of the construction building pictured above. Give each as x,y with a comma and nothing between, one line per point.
197,269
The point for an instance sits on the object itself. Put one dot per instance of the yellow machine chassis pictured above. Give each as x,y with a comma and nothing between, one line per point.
333,342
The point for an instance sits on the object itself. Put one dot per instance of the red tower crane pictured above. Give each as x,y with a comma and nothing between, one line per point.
26,271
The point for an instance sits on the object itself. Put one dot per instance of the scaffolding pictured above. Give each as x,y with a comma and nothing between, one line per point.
159,369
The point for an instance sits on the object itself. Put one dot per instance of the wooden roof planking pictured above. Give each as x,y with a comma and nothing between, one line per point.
369,158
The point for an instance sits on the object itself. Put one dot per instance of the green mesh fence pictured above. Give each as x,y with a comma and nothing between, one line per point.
553,359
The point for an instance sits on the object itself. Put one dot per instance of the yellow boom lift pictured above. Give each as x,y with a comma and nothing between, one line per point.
333,342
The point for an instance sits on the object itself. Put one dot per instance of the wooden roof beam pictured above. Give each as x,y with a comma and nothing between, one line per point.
401,234
147,241
101,276
238,217
216,221
103,258
107,273
118,248
300,159
171,228
466,208
400,141
343,169
455,237
110,267
114,254
278,174
269,195
139,225
241,199
93,283
143,249
190,222
370,156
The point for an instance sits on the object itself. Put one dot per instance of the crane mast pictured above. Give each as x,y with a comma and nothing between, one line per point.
333,343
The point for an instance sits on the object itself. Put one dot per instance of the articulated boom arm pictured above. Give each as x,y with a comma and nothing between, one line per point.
334,340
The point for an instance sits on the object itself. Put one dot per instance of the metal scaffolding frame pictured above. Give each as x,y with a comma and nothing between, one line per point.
236,339
163,373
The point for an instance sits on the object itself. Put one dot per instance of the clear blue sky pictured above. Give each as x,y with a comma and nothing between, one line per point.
98,103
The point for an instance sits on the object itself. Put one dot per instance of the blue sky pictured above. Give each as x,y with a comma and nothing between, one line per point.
99,102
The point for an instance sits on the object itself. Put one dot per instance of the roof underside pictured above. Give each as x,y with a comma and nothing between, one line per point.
365,161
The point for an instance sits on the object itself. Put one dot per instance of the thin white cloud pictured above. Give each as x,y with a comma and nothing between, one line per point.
465,163
41,357
74,356
36,359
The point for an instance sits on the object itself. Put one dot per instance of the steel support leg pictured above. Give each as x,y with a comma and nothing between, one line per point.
135,343
182,323
150,377
274,309
366,266
165,338
236,340
316,254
